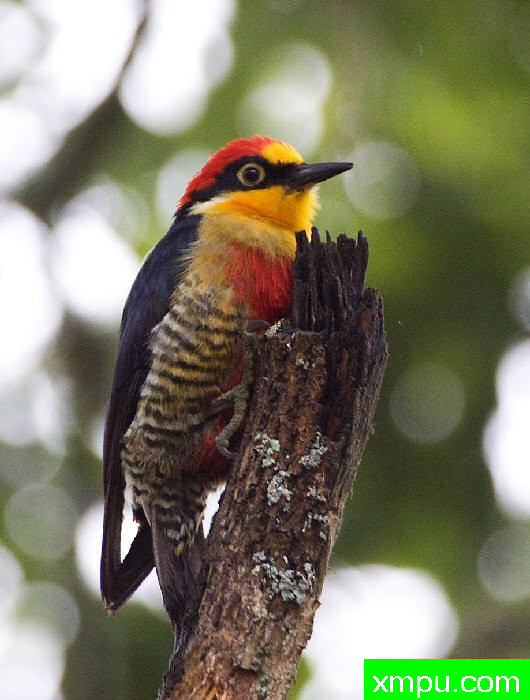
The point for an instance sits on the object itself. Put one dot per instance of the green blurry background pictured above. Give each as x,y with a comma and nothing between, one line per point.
431,102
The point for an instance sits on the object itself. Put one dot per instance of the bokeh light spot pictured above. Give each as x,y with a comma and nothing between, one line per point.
11,579
505,440
289,105
41,521
154,92
16,426
53,87
31,664
26,142
88,546
427,402
31,408
50,410
384,182
174,177
93,265
124,208
31,312
66,78
395,613
23,465
94,437
20,40
519,298
51,607
504,564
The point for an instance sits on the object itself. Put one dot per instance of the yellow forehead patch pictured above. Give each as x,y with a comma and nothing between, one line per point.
280,152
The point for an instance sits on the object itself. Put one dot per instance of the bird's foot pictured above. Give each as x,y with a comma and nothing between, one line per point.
239,395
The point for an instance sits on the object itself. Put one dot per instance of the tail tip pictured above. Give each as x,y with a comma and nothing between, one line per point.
110,607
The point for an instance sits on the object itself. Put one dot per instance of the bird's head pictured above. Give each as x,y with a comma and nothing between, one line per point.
260,178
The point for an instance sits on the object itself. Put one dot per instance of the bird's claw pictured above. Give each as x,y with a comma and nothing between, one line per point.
238,395
227,454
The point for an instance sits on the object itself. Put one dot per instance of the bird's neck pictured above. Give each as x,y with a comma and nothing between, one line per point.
272,208
252,258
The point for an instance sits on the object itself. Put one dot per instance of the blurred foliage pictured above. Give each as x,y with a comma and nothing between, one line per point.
438,81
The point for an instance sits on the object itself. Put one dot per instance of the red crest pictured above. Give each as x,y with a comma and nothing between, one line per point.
235,150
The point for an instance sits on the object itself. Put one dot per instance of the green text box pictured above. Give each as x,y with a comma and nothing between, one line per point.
455,678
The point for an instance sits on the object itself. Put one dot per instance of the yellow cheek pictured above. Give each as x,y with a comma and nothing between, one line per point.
293,211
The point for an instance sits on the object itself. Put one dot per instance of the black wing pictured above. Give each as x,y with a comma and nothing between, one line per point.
146,305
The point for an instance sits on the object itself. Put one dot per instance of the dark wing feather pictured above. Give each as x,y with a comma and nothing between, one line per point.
147,304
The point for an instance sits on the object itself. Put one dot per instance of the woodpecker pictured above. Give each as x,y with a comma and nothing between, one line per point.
225,262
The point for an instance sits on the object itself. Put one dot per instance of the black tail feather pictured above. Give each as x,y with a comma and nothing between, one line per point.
182,584
179,578
132,571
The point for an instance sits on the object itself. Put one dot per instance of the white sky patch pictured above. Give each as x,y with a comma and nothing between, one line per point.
50,414
505,440
375,612
173,180
185,52
94,438
124,208
289,106
88,553
33,408
16,404
11,580
28,307
26,142
427,402
37,621
94,267
67,79
31,663
20,40
88,42
384,182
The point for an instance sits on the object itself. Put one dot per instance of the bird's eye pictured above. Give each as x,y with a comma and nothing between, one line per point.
251,175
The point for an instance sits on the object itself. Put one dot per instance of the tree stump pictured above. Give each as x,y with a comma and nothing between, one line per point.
318,378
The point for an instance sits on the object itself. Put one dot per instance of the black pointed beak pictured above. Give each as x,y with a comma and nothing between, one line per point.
309,174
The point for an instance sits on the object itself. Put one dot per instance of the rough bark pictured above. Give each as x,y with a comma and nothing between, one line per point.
317,383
